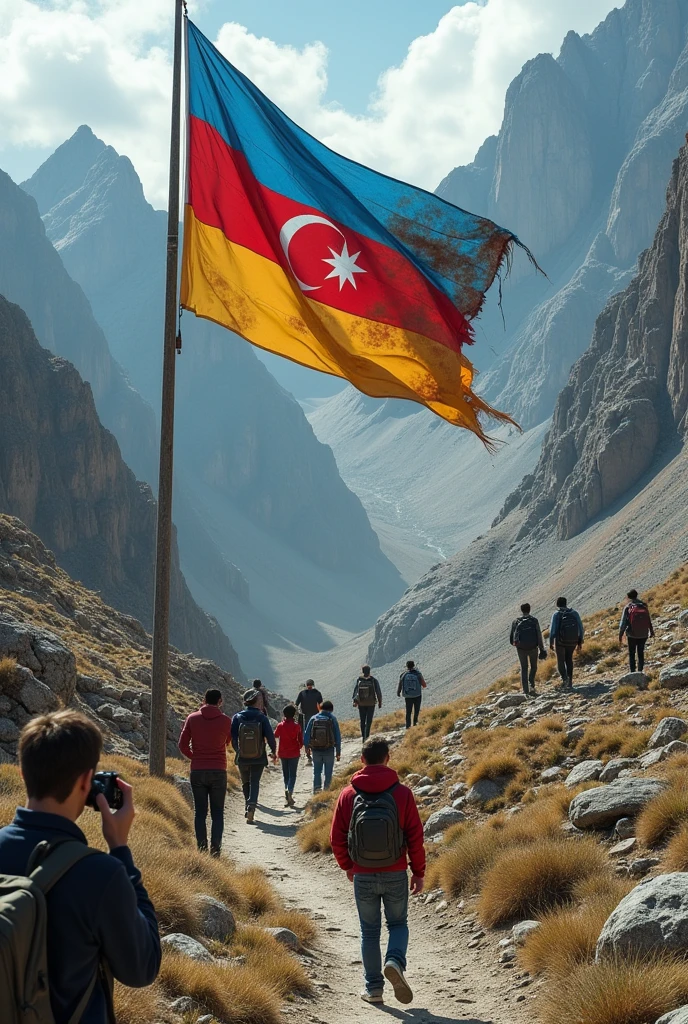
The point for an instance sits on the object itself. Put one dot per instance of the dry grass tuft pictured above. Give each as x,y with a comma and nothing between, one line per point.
624,693
531,880
612,739
676,858
495,766
7,670
232,994
141,1006
297,922
616,992
469,856
663,817
265,954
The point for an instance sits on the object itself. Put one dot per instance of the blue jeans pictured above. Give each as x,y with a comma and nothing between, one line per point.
322,759
289,766
209,787
388,889
250,782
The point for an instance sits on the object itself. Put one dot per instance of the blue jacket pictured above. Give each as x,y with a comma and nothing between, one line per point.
554,626
337,734
98,908
251,715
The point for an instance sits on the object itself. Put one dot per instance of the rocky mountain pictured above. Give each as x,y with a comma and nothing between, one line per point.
578,170
249,469
71,648
62,473
605,506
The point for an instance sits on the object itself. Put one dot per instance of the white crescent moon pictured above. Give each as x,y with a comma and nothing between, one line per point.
289,229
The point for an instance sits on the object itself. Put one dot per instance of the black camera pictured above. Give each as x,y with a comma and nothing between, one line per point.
105,783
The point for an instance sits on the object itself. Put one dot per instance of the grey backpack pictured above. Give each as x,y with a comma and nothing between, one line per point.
24,982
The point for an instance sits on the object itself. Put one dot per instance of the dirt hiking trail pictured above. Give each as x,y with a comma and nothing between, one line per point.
452,983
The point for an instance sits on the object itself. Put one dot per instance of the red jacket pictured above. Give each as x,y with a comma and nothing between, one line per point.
205,737
375,778
290,737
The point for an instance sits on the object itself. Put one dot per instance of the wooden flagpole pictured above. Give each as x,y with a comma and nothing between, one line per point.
161,611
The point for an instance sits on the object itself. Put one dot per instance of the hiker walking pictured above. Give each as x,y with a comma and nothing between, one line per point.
376,830
411,685
204,739
367,694
262,698
323,743
566,633
636,625
526,637
251,730
309,701
290,740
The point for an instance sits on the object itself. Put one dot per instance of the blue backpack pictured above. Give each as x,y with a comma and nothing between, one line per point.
410,683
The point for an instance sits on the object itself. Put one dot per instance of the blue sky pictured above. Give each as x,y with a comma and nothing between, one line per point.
364,37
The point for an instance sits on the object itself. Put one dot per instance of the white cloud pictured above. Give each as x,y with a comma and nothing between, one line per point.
68,63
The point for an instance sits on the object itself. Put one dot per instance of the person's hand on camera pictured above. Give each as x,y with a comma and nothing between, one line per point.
417,883
339,757
116,824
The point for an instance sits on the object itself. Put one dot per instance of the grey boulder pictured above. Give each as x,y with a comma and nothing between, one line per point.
184,945
510,700
674,676
42,652
586,771
31,693
652,918
521,931
602,807
286,937
638,679
442,819
668,729
484,790
8,730
551,774
613,768
217,920
679,1016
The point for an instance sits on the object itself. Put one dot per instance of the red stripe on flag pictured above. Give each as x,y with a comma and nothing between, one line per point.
366,278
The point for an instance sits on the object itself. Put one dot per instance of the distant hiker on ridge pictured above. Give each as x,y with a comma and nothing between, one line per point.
376,827
251,730
636,624
309,700
411,685
565,634
290,738
323,743
367,694
526,637
262,699
204,740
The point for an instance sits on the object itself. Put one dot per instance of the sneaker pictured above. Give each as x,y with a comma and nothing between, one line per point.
287,798
395,976
372,997
250,814
292,802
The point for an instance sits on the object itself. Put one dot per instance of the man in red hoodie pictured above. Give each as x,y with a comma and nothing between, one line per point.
204,740
376,831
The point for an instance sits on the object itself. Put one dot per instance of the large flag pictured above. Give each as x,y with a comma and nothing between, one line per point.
310,255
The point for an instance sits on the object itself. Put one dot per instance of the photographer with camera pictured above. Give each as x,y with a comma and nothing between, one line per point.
101,923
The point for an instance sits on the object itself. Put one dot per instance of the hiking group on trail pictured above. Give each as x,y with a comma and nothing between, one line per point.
567,634
308,725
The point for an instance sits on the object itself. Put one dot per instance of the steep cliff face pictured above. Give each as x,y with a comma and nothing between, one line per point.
625,400
605,505
62,473
33,276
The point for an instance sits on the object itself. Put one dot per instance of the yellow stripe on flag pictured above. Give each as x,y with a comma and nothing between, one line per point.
257,299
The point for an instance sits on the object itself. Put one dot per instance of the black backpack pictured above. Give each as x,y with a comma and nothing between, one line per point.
251,743
366,696
322,734
526,633
375,837
567,633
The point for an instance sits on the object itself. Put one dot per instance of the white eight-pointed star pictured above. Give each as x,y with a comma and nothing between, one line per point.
344,266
